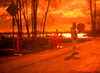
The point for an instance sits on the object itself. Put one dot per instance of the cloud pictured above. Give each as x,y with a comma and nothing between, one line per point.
70,14
71,9
73,3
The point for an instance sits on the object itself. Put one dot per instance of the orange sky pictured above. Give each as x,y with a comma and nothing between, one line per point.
66,12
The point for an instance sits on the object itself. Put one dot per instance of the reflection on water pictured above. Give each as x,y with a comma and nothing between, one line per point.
67,35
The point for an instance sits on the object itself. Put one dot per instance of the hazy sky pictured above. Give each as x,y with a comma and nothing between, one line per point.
60,17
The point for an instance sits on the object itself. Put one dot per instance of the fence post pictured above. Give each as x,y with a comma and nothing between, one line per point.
35,40
0,39
60,40
53,40
23,36
56,37
17,43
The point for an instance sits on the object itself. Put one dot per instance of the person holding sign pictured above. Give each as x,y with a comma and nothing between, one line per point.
74,37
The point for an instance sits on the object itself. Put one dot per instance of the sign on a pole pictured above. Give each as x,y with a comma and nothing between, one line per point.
12,9
80,26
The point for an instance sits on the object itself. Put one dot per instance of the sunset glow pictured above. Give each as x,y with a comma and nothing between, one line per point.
59,18
73,3
49,36
79,35
74,13
68,35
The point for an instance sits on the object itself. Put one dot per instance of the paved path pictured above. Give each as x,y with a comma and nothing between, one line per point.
57,61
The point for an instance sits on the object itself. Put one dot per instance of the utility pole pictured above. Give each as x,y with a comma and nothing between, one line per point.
12,10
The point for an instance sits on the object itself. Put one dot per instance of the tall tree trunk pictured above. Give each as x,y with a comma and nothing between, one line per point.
27,27
35,17
92,18
20,19
32,14
95,19
99,22
17,16
46,17
27,19
41,23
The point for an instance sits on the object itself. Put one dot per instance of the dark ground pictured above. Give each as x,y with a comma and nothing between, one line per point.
28,45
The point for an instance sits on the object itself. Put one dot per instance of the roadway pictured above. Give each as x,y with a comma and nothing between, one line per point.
56,60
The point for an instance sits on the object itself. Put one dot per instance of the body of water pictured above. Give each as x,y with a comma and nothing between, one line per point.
67,35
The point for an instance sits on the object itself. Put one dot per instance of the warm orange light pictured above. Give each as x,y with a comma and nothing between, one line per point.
68,35
80,35
73,3
74,13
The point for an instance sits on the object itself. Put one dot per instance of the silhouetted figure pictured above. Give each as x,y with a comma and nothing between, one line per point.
74,37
